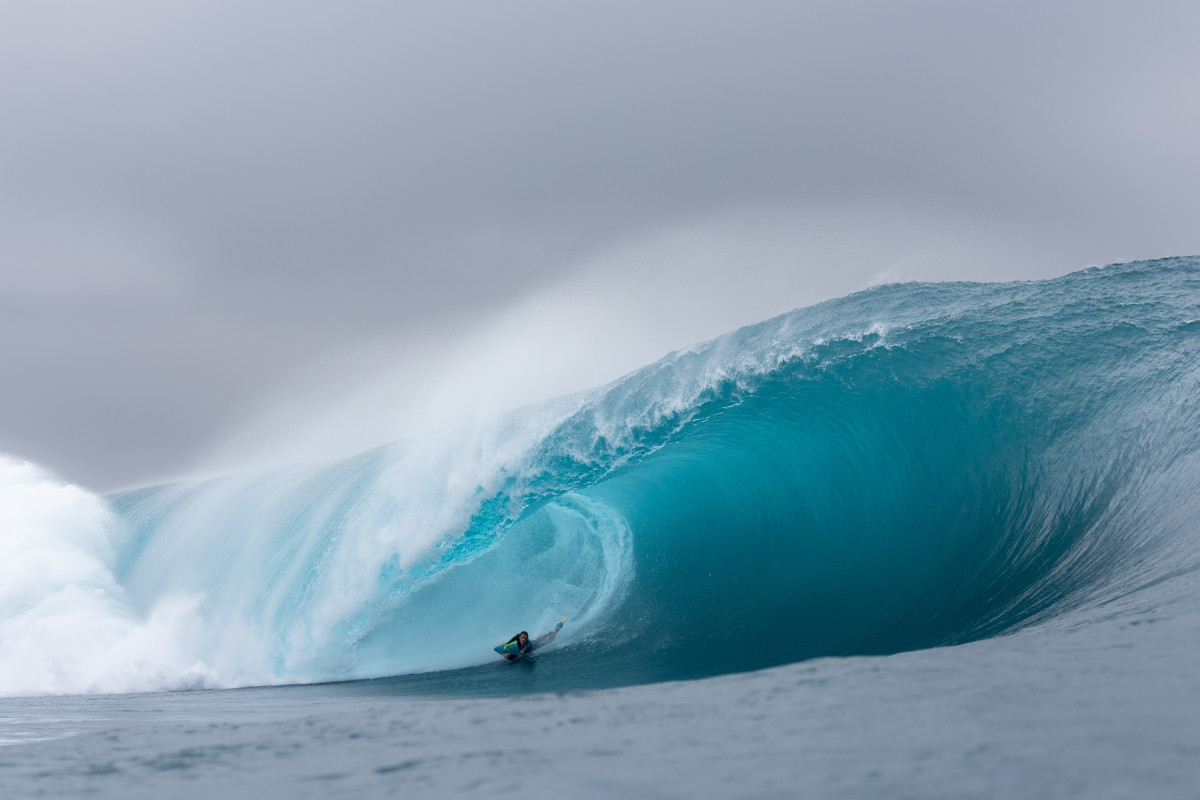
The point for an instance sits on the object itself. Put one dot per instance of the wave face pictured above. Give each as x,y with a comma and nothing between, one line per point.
912,466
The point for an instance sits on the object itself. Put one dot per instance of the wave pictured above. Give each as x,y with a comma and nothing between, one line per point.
913,466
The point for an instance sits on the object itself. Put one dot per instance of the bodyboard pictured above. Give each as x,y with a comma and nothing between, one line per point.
507,649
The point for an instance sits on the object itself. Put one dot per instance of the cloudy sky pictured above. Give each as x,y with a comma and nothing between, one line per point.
216,215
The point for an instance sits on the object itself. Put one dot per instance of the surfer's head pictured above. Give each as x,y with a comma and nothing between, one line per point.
523,638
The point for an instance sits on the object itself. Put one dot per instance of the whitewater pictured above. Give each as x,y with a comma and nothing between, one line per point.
924,540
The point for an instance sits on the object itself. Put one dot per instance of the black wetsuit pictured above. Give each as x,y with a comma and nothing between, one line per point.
521,649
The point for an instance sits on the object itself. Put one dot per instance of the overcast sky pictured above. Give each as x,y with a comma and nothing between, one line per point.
216,212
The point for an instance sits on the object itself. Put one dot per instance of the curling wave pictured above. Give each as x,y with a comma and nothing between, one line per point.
912,466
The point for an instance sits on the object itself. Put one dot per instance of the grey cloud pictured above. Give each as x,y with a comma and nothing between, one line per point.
265,183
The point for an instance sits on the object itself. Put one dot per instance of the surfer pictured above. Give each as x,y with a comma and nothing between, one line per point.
523,644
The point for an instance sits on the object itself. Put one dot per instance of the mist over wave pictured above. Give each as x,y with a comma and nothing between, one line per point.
911,466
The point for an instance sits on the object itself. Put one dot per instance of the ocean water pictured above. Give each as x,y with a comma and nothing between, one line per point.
924,540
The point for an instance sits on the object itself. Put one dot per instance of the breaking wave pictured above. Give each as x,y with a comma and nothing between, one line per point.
912,466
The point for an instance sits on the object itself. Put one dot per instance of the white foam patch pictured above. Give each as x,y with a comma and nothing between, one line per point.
65,627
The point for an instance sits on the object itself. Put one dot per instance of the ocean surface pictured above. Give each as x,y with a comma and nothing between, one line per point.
927,540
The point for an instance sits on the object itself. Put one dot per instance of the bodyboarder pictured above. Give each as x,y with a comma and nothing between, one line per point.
525,646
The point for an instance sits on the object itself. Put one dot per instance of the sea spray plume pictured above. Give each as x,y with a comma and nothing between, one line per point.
65,626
